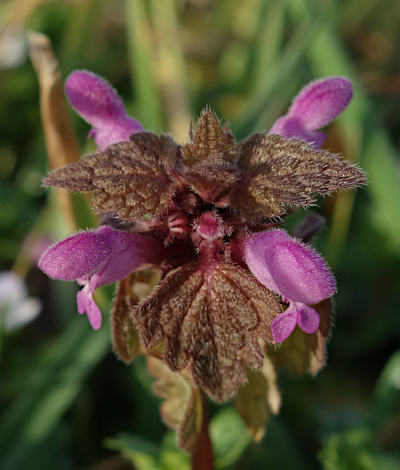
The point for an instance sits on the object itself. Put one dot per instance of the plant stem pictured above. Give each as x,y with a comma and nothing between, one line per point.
202,456
61,142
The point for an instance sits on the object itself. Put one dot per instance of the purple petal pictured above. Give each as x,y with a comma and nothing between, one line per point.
76,256
128,252
99,104
291,127
94,98
117,132
86,304
307,318
283,325
289,267
321,101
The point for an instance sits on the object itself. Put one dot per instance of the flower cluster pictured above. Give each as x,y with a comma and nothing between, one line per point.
207,214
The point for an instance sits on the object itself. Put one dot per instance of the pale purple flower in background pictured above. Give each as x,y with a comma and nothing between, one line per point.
16,308
317,104
13,47
98,103
98,257
296,272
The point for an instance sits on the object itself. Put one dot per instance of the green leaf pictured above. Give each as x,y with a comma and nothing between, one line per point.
355,450
387,391
51,385
142,453
146,455
172,458
258,397
182,408
229,437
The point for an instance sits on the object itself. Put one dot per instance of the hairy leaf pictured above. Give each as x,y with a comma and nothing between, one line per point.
278,172
129,292
302,352
210,181
259,397
210,142
182,409
210,320
128,179
126,340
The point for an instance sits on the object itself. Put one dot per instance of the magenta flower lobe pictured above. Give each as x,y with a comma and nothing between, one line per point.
293,270
314,107
99,104
96,258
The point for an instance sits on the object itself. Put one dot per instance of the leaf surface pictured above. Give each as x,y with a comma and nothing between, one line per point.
210,321
128,179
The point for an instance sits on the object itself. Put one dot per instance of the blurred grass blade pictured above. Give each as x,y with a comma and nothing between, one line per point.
269,44
62,146
387,392
378,156
61,143
276,80
355,449
78,32
141,55
54,380
18,11
171,70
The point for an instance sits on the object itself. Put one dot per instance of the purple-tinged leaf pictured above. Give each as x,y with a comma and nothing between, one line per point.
128,179
210,320
210,143
277,172
125,337
211,181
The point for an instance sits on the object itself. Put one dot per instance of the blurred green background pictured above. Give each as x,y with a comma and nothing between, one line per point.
65,401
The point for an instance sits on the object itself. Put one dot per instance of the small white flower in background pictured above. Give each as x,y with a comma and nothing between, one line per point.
16,308
13,47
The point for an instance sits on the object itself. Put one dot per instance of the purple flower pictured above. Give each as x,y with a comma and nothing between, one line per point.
296,272
194,204
314,107
96,258
99,104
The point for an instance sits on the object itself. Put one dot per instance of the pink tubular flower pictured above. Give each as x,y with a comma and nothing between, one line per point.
99,104
314,107
200,211
296,272
96,258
